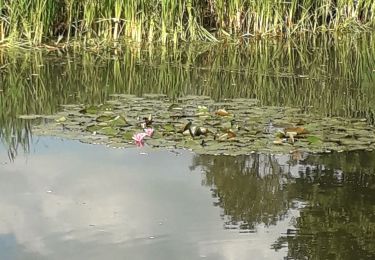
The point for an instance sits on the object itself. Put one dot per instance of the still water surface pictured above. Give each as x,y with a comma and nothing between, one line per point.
68,200
61,199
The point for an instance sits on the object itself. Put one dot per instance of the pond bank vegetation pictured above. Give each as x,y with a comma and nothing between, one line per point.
95,22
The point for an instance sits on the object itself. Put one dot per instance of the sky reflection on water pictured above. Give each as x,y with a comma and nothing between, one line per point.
67,200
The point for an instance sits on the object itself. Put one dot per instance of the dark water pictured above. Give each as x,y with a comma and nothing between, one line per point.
61,199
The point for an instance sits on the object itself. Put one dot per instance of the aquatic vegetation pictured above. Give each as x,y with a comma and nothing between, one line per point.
96,22
246,128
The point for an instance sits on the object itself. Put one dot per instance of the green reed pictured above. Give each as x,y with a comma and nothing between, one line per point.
42,21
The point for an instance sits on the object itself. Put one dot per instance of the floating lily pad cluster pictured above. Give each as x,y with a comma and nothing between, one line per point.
234,127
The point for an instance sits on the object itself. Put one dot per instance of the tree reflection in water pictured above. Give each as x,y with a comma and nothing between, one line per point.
250,189
338,191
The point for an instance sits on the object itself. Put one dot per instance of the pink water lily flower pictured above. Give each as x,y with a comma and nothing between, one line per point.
138,138
149,131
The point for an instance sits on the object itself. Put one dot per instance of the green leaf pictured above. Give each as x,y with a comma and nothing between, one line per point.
108,131
168,128
93,128
313,139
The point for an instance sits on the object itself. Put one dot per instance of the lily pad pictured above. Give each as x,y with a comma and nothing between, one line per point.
313,139
110,131
191,123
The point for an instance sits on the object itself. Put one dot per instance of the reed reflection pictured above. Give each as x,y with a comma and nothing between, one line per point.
331,76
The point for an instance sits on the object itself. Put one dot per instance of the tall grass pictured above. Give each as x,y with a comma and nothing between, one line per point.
38,21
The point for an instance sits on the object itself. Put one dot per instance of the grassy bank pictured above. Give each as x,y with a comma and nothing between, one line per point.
38,21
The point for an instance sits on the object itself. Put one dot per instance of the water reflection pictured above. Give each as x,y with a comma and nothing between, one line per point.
330,76
67,200
324,73
248,188
334,193
333,76
339,221
96,200
103,200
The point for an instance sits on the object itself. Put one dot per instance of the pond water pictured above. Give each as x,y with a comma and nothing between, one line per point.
63,199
